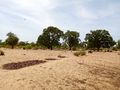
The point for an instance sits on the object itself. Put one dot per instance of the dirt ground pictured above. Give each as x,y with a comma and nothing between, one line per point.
96,71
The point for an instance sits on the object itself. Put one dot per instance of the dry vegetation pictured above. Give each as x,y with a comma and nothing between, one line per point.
59,70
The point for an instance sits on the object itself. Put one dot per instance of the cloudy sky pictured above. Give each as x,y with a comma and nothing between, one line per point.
28,18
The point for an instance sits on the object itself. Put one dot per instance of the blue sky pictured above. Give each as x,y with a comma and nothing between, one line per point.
75,15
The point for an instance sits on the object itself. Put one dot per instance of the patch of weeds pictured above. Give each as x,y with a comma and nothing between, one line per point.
74,48
28,47
114,49
90,51
35,48
94,49
2,52
80,53
76,53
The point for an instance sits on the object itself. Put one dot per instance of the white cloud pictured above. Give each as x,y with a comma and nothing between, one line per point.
79,15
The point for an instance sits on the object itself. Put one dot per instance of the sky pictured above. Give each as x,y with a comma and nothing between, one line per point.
28,18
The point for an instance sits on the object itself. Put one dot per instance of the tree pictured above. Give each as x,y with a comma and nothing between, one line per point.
82,44
50,37
12,39
71,38
99,38
32,44
0,41
118,44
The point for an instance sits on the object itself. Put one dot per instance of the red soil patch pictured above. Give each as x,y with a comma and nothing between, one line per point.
18,65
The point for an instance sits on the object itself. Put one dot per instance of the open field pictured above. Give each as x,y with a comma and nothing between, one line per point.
96,71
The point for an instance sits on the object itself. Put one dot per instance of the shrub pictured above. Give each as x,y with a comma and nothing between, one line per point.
24,47
90,51
28,47
80,53
7,46
42,47
114,48
76,53
101,49
94,49
1,52
35,48
64,47
74,48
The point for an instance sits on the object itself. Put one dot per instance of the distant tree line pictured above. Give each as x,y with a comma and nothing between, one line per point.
51,38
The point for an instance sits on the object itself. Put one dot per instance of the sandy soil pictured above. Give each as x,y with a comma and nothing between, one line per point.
96,71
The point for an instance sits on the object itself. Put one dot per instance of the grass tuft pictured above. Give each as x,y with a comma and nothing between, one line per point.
2,52
90,51
80,53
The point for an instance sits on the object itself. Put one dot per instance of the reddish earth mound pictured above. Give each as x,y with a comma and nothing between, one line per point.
50,59
18,65
61,56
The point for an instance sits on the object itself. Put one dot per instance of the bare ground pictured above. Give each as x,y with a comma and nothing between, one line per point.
96,71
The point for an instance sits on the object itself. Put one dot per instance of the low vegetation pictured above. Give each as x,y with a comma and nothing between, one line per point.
80,53
96,40
114,49
2,52
90,51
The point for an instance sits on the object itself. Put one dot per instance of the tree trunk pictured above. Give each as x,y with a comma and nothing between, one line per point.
12,46
70,48
97,49
51,48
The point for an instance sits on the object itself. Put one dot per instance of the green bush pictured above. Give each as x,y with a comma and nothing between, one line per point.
35,48
80,53
94,49
42,47
90,51
28,47
76,53
24,48
7,46
114,48
2,52
74,48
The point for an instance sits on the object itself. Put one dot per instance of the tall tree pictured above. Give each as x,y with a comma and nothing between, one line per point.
71,38
50,37
12,39
99,38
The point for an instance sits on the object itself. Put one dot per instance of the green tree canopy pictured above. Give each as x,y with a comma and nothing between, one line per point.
50,37
12,39
83,44
0,41
99,38
71,38
118,44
